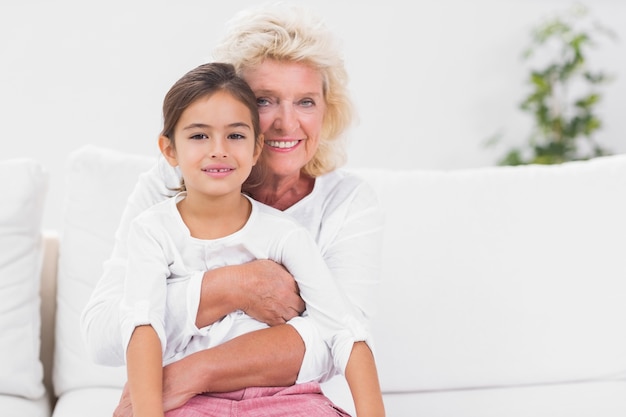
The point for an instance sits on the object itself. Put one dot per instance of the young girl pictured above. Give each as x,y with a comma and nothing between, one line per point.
211,133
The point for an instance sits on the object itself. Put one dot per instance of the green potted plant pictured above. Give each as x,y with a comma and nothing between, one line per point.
564,92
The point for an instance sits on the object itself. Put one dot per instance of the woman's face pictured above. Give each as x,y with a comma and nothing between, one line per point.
291,107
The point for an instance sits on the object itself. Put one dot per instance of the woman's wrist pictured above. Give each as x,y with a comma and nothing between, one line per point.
220,294
261,288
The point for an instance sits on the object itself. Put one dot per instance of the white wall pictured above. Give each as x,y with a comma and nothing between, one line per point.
432,79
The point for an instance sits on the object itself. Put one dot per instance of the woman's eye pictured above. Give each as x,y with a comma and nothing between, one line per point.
263,102
307,102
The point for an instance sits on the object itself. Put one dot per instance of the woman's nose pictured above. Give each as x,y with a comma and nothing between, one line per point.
286,118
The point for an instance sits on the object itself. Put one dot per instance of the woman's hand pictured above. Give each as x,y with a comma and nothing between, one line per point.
270,293
177,389
264,289
124,407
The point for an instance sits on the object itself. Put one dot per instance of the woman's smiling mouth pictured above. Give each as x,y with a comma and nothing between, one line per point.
282,144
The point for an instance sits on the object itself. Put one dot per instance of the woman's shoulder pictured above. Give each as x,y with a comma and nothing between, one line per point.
265,214
156,184
158,214
343,185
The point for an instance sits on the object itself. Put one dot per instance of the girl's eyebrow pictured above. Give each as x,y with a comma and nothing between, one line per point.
240,124
196,126
205,126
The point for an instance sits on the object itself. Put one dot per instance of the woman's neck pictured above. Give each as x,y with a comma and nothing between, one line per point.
282,193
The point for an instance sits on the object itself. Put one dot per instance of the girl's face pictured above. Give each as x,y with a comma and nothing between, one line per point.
214,145
291,107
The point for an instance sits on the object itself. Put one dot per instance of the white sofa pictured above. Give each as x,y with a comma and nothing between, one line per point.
503,289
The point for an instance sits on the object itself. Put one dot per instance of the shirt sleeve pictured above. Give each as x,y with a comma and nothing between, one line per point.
100,318
337,319
145,284
351,243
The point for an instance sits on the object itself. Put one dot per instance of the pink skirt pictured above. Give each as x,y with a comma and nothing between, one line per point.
301,400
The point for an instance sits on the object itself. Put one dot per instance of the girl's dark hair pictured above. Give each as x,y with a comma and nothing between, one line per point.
204,81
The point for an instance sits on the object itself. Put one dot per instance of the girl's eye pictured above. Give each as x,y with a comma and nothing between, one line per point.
236,136
198,136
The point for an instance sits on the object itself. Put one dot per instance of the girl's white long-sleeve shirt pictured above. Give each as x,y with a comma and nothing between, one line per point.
342,214
161,249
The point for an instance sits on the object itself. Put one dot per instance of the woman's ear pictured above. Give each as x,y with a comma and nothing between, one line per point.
166,145
258,147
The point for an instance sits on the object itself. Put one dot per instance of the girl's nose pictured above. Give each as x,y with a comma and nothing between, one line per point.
218,150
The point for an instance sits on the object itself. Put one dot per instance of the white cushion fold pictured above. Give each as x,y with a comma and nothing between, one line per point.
24,189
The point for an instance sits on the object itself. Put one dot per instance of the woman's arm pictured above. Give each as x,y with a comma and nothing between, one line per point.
263,289
350,241
260,363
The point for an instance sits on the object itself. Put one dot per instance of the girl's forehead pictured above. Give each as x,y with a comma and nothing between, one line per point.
219,108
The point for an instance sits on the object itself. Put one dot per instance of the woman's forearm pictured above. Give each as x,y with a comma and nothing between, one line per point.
362,378
261,288
268,357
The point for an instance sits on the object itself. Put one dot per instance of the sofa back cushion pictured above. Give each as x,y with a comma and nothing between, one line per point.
98,183
502,275
24,190
492,276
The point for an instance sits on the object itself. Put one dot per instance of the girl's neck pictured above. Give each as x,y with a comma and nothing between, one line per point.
281,192
210,217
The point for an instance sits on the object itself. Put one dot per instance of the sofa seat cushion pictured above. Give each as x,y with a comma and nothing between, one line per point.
24,188
605,399
92,402
13,406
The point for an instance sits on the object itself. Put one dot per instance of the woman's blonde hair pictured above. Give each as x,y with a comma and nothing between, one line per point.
285,32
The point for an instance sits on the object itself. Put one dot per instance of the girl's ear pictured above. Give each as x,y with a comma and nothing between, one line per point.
258,147
167,149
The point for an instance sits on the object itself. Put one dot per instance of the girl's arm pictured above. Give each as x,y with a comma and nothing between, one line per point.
144,368
362,378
